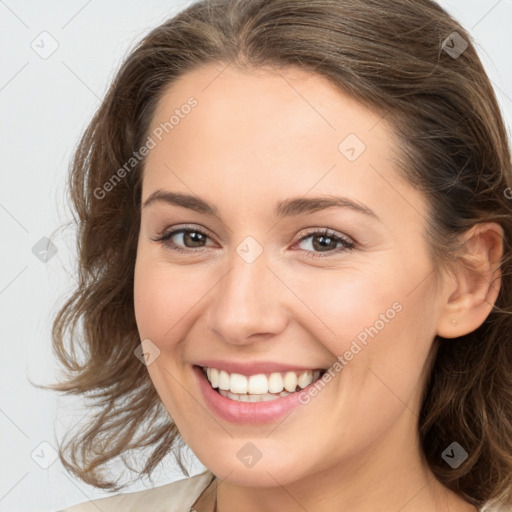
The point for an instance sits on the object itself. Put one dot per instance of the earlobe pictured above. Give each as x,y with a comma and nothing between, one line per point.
476,281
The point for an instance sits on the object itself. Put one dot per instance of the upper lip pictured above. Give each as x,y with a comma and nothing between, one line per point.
255,367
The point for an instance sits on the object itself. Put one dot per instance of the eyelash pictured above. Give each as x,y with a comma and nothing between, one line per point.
348,244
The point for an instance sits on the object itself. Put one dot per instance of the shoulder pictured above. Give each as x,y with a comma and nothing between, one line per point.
494,507
176,496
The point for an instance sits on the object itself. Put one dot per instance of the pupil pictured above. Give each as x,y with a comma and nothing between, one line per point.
194,236
322,244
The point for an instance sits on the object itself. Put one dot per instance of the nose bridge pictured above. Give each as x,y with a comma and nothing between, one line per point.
247,299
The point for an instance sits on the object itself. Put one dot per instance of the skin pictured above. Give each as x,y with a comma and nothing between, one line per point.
257,137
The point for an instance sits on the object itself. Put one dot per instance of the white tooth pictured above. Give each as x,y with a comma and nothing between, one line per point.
305,379
258,384
233,396
224,380
275,383
284,393
290,381
238,383
214,377
267,397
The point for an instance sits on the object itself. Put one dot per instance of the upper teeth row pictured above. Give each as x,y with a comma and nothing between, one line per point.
261,383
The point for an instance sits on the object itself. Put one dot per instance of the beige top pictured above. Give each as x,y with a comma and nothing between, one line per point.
177,496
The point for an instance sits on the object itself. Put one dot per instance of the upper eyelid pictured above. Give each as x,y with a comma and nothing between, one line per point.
186,227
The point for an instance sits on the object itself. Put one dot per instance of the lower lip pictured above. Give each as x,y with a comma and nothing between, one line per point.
246,412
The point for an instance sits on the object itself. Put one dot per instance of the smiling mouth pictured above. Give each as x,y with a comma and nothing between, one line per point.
260,387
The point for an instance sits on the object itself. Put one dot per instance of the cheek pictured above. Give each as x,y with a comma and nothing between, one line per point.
344,303
166,299
161,301
158,299
371,319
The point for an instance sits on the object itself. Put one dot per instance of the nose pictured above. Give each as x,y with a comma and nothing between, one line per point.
247,302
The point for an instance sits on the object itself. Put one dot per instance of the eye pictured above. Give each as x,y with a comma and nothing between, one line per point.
327,242
194,240
191,237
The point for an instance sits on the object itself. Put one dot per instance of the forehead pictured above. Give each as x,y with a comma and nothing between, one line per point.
267,131
263,101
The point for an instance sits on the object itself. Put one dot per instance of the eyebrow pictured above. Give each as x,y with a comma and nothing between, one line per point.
286,208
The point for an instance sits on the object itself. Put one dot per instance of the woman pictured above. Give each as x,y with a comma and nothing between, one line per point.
294,229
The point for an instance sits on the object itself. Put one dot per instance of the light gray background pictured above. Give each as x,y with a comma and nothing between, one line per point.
45,103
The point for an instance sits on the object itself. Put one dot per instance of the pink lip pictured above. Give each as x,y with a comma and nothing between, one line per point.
245,413
252,368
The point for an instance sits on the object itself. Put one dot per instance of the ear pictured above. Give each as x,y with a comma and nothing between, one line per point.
476,281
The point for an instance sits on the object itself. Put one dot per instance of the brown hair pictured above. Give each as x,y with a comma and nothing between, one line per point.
389,55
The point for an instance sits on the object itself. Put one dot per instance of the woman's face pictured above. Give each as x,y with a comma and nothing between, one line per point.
254,280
